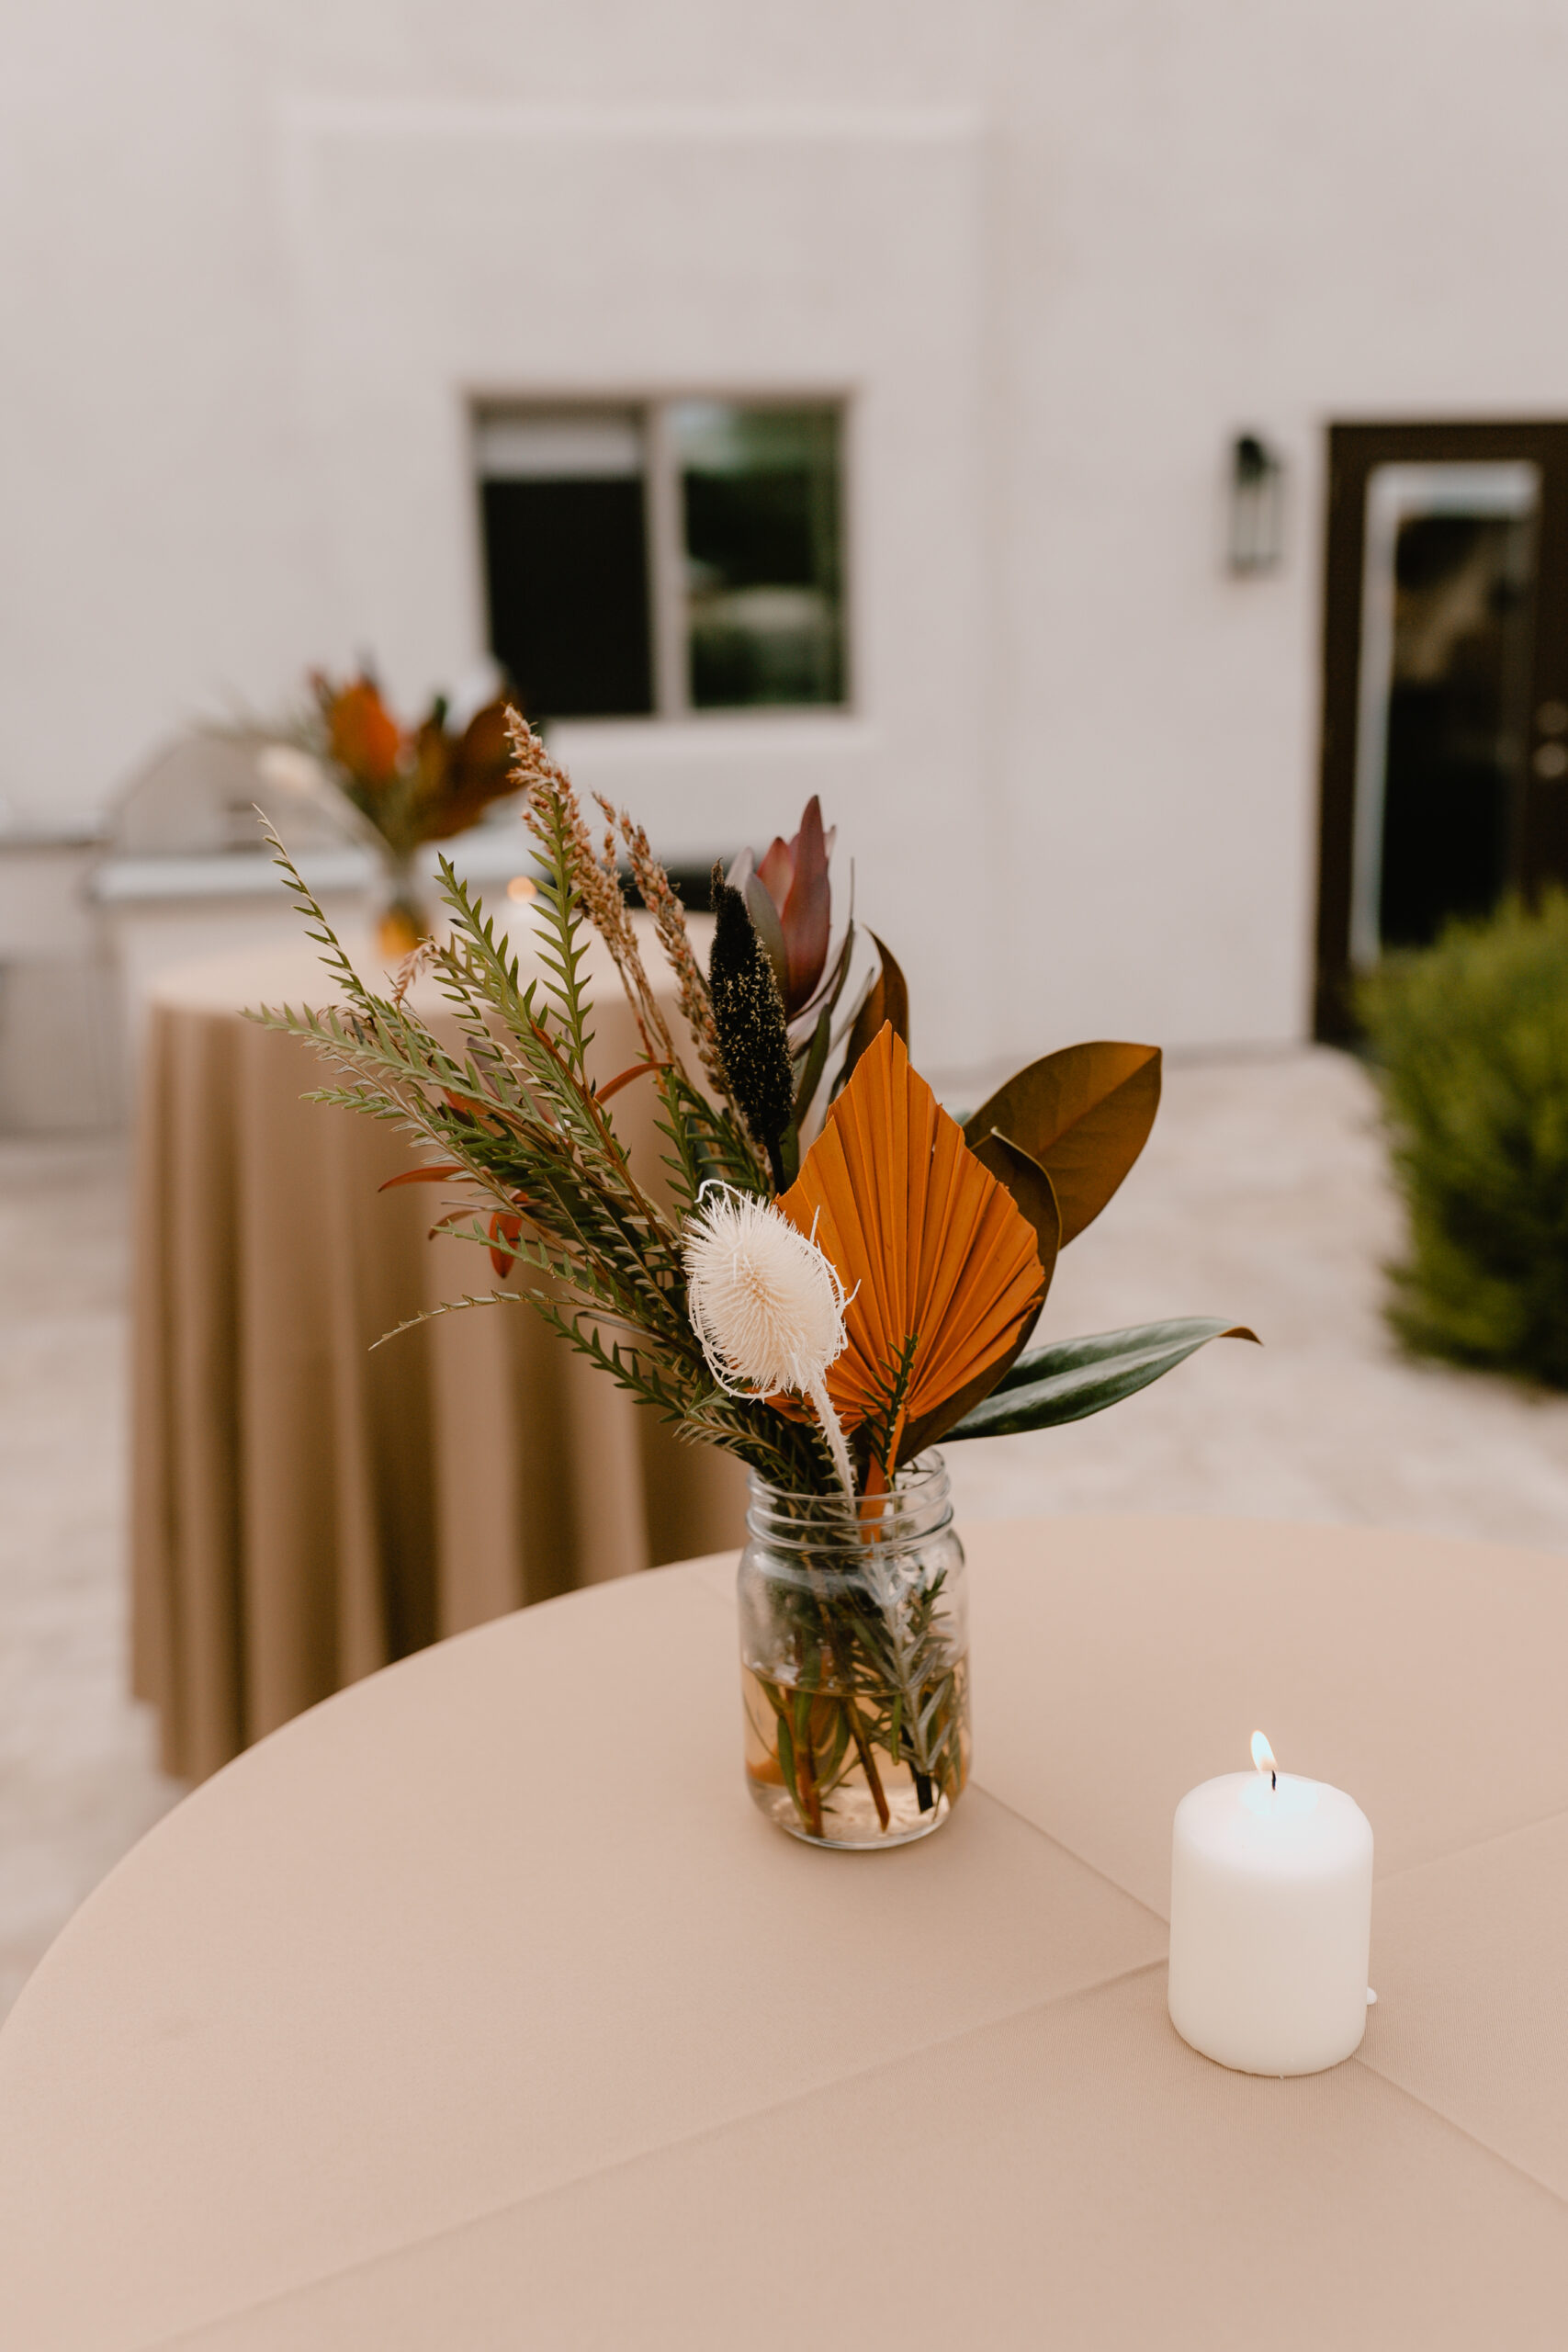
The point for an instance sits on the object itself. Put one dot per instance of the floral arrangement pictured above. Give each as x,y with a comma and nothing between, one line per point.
834,1274
411,784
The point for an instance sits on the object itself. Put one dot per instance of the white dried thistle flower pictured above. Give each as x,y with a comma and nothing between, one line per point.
767,1304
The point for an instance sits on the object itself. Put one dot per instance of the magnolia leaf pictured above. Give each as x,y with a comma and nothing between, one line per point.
889,1001
484,751
1034,1196
812,1062
1072,1378
897,989
831,988
1085,1115
477,772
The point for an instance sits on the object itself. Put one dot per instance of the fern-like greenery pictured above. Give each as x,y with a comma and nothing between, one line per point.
510,1119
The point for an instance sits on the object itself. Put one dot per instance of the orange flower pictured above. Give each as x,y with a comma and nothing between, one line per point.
927,1240
364,735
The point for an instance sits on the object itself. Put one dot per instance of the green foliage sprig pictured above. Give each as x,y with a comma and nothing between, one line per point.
512,1120
1471,1043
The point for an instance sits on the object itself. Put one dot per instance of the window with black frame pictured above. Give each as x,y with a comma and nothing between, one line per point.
685,556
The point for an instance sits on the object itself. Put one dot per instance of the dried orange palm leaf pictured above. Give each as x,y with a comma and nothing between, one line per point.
1033,1195
930,1243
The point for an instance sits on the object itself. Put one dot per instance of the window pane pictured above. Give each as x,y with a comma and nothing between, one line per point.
760,498
566,560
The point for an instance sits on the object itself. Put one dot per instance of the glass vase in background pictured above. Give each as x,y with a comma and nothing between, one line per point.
854,1660
402,915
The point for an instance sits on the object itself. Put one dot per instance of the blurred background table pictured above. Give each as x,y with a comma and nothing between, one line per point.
305,1506
480,2007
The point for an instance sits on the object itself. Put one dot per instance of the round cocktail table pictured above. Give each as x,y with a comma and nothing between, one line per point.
479,2008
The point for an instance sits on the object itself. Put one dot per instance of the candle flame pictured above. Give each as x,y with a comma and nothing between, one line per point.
1263,1755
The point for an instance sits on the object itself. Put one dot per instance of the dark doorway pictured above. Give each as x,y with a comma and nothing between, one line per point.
1445,720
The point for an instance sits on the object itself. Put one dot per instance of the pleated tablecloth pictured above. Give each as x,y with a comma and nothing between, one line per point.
307,1506
479,2008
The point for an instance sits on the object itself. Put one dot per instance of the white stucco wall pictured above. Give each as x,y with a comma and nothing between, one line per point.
259,256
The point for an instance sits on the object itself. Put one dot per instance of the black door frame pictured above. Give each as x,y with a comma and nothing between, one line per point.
1542,829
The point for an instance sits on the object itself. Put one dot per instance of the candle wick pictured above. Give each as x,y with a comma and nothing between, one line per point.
1273,1780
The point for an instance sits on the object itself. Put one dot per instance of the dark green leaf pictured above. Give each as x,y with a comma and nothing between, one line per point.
889,1001
810,1066
1072,1378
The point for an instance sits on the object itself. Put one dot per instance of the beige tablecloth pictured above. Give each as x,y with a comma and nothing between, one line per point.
480,2009
306,1508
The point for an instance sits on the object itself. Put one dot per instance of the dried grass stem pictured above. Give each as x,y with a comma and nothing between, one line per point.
544,782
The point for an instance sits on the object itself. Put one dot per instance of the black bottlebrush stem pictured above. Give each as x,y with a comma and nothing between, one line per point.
748,1015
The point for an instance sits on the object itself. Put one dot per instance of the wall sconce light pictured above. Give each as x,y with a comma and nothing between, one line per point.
1257,505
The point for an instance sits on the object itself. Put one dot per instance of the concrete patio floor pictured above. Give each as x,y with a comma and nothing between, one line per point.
77,1781
1261,1197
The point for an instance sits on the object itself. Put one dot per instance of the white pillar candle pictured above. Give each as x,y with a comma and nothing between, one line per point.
1271,1920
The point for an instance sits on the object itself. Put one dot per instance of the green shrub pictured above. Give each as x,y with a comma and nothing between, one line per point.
1471,1040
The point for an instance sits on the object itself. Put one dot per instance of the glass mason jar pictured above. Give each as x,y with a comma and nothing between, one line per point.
854,1660
403,917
